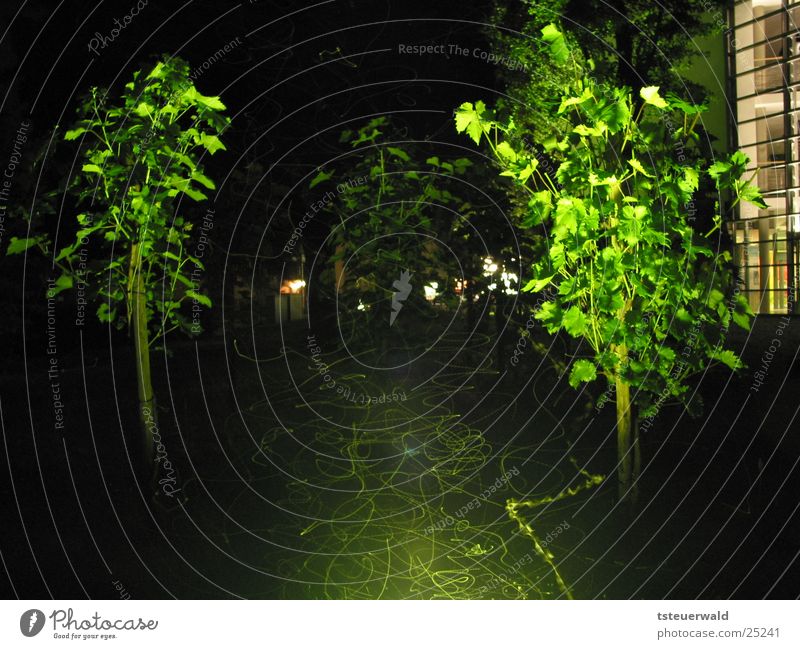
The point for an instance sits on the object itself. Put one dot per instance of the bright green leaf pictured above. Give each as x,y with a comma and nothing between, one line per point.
506,151
637,166
551,315
321,177
468,118
63,283
583,371
16,246
575,322
536,285
74,133
212,103
205,181
399,153
651,96
212,143
556,42
202,299
727,357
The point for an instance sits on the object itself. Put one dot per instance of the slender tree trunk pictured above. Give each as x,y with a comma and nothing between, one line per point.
148,417
499,306
629,457
467,291
624,34
338,269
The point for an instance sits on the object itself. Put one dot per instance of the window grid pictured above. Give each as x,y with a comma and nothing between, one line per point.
764,64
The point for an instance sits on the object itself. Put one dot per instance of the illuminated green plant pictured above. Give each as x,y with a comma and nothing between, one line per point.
649,297
393,217
139,159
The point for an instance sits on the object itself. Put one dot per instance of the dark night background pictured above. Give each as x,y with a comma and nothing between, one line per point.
721,491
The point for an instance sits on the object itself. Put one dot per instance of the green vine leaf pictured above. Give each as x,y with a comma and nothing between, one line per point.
637,166
506,151
202,299
212,143
651,96
321,177
556,42
583,371
74,133
17,246
469,120
727,357
536,285
575,322
399,153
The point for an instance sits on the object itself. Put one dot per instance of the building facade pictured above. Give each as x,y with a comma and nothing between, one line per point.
764,76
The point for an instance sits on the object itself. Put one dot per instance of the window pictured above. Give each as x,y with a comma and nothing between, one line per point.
764,57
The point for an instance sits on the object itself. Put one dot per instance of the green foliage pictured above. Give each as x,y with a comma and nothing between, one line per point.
556,42
633,40
539,63
622,43
393,213
583,371
16,245
627,272
140,158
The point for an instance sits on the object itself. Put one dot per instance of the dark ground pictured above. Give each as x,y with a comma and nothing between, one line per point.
718,515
